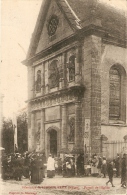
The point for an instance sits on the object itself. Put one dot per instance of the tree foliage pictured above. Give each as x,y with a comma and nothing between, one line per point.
22,132
8,131
8,136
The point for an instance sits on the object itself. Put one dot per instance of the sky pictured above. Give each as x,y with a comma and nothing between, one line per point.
18,19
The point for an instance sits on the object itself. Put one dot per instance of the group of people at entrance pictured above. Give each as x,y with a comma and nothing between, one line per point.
97,166
28,165
33,166
101,167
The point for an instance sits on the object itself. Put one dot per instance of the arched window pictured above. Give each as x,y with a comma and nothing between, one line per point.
115,94
71,67
71,130
53,74
38,81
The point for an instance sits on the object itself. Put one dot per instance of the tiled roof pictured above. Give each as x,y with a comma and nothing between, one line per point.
81,13
111,19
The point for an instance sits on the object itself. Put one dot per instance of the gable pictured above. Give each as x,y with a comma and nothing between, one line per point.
74,15
63,28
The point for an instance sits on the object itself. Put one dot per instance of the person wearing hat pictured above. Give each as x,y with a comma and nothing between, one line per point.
80,165
123,171
117,165
110,173
99,166
18,168
104,166
59,166
36,176
26,166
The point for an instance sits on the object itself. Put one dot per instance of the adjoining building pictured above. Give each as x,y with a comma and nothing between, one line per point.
77,78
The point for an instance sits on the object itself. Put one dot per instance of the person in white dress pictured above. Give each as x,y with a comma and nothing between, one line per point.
50,167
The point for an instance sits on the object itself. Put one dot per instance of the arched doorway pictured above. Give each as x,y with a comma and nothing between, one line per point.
53,142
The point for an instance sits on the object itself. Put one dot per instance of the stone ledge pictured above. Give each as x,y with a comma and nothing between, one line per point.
52,121
110,124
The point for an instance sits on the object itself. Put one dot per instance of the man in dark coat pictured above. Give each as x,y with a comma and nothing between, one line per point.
18,168
123,171
26,166
80,165
117,165
99,166
110,173
4,166
36,170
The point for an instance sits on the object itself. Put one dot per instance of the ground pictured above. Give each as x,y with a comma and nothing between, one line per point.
62,186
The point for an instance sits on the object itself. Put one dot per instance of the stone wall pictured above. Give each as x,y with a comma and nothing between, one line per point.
92,112
114,132
92,95
113,55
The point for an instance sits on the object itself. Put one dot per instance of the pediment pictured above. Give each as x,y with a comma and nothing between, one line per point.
56,27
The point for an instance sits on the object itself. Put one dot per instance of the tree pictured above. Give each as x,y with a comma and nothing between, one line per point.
22,132
7,136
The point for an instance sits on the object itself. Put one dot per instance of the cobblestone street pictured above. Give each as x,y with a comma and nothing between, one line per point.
59,185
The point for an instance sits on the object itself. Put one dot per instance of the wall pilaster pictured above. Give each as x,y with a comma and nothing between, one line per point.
95,94
31,79
78,64
42,136
92,95
78,122
64,127
43,79
31,134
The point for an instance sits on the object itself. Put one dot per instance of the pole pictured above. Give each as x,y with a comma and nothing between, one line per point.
15,130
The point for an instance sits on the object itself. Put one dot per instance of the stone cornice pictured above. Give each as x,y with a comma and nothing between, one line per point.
73,94
115,124
75,89
52,55
79,35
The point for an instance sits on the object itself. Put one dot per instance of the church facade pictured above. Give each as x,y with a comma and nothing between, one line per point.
77,77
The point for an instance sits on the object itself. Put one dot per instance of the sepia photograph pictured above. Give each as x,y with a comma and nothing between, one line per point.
63,97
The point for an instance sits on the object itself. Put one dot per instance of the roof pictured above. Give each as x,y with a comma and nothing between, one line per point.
82,13
112,19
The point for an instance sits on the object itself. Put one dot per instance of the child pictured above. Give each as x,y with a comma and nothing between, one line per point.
110,173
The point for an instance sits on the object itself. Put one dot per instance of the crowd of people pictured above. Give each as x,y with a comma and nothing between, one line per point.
28,165
34,166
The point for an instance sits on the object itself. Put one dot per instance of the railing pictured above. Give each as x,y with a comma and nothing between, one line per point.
110,149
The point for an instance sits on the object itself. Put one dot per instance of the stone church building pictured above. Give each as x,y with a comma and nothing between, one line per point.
77,77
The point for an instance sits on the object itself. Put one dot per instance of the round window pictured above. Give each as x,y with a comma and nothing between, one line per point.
52,25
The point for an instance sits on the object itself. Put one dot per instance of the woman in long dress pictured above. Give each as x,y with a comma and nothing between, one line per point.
36,170
104,167
50,167
94,170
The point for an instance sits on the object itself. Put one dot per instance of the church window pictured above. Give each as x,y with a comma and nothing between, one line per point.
71,67
53,74
71,130
38,81
115,94
52,25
